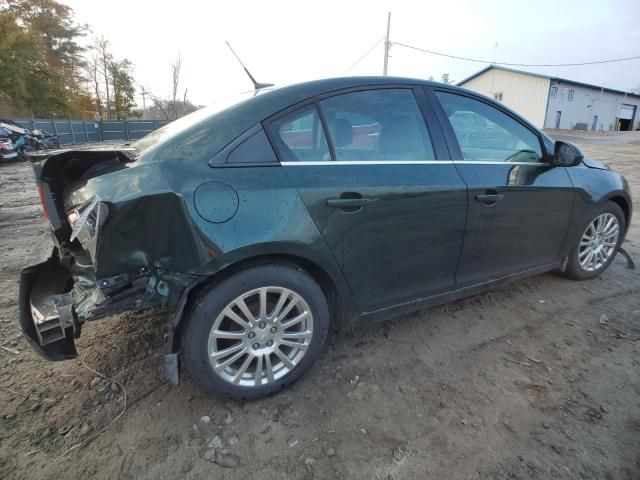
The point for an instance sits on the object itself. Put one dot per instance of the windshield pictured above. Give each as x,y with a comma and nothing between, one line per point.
184,123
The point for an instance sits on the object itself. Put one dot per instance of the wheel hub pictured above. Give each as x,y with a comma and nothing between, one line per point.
599,242
260,336
263,339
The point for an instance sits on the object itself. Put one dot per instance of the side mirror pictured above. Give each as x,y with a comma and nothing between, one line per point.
566,155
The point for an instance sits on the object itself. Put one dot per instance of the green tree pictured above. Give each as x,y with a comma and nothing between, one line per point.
22,67
41,63
122,88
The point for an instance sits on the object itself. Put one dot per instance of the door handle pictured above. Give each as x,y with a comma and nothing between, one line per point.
489,199
348,202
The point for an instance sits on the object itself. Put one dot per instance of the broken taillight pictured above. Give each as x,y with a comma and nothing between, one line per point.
85,220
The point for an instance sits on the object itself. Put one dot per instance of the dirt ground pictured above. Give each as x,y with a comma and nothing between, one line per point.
530,381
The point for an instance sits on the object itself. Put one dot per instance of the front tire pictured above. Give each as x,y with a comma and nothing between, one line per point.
256,332
600,237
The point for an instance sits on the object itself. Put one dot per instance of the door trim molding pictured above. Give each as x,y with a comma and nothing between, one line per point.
480,162
409,162
368,162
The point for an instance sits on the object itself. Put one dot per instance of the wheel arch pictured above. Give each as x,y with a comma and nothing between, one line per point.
340,308
624,205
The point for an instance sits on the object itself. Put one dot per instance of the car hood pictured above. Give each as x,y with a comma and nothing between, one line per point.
589,162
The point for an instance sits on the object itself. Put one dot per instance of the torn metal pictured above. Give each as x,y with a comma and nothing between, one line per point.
93,272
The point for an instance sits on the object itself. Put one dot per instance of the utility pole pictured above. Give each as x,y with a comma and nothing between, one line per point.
387,46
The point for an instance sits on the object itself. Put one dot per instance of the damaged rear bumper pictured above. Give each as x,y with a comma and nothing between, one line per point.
50,322
55,300
46,315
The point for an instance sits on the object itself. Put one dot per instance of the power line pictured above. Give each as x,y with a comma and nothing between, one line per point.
595,62
363,56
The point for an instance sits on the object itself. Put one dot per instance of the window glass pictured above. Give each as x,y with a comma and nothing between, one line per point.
554,91
255,149
486,133
570,95
383,124
299,136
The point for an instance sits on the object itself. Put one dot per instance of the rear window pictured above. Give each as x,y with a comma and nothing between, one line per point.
182,124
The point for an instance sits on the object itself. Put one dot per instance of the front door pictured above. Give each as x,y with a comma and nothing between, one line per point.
558,117
372,177
519,206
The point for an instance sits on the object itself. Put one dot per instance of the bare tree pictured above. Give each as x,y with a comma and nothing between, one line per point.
175,77
158,104
94,70
101,46
110,79
445,79
173,107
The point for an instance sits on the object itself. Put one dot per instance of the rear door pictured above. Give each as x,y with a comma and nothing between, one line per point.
519,205
377,180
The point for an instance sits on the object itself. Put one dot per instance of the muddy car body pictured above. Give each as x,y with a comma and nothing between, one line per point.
277,200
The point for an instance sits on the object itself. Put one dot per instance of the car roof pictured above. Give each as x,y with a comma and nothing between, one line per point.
210,134
201,140
325,85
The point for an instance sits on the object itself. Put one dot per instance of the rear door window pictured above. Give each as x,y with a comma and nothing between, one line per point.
382,124
299,136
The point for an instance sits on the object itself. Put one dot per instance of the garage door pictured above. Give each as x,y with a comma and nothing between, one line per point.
626,111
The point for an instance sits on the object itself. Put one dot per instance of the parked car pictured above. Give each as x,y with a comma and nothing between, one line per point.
45,140
20,138
262,226
7,148
31,139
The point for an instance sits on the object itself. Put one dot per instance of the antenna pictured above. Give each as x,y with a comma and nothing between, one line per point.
387,46
256,85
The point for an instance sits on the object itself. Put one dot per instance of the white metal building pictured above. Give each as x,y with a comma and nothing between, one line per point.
552,102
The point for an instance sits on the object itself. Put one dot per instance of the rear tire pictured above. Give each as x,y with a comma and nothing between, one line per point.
250,316
597,244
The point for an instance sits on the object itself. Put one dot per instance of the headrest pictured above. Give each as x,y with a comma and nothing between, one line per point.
342,132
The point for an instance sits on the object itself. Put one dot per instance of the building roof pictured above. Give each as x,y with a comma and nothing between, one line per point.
557,79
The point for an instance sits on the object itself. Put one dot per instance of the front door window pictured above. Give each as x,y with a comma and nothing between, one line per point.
485,133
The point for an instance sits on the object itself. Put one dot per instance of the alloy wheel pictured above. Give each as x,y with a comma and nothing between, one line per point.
598,242
260,336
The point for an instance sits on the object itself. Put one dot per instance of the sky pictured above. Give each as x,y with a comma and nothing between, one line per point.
284,42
